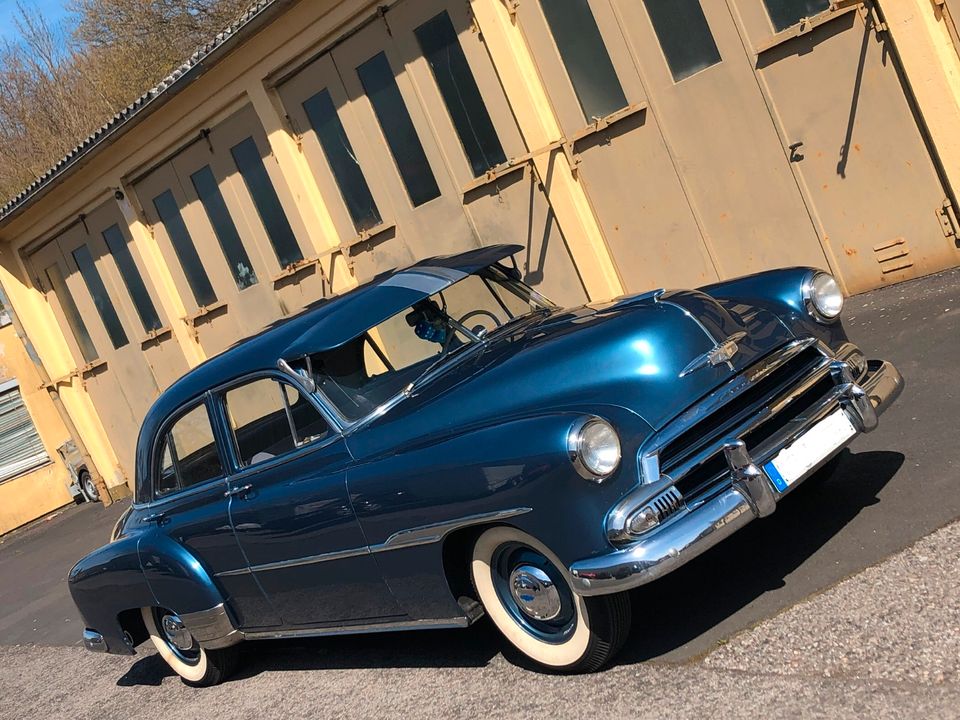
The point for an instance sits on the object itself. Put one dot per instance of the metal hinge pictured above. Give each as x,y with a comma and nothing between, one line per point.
512,7
947,215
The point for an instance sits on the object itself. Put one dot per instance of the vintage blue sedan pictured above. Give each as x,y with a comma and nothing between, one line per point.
444,442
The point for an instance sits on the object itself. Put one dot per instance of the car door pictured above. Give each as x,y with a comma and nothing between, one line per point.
189,506
290,509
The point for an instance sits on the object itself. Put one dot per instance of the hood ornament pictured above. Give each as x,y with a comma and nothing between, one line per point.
719,354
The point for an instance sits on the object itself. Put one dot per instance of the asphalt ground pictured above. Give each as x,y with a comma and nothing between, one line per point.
780,619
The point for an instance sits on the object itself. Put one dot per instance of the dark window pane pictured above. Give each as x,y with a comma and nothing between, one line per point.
380,86
193,449
106,310
117,244
274,219
183,245
584,56
343,163
261,426
439,43
72,314
785,13
236,255
684,36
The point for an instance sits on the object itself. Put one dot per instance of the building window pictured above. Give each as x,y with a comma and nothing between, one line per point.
684,36
441,47
785,13
117,245
101,300
342,160
172,220
21,448
584,56
398,130
274,219
213,204
87,349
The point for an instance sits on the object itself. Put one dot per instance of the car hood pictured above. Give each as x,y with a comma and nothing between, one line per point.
647,354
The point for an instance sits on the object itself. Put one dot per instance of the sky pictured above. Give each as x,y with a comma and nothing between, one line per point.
53,10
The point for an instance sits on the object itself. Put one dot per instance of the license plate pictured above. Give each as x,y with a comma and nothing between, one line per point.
797,459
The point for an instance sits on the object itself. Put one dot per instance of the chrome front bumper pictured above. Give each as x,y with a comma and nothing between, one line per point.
751,495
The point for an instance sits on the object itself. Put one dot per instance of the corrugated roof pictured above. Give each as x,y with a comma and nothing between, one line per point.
149,100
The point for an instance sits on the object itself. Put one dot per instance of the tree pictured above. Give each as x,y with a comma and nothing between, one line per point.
58,84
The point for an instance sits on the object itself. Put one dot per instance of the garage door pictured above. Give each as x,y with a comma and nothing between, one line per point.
409,134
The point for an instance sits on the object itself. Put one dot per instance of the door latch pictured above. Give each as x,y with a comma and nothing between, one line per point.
238,491
795,154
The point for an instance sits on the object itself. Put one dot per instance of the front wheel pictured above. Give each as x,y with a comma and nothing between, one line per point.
527,596
195,665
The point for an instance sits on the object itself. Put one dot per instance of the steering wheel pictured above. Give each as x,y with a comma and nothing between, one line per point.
496,320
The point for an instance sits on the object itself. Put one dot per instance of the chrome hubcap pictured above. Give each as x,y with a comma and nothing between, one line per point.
534,593
176,633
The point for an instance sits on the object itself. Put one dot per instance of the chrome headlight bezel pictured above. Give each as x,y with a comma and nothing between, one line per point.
577,435
814,297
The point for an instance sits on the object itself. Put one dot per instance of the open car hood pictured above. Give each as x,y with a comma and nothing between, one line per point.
390,293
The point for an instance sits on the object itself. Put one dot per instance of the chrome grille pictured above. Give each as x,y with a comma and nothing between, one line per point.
758,406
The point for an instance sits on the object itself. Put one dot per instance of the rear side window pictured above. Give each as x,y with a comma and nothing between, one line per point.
270,418
189,454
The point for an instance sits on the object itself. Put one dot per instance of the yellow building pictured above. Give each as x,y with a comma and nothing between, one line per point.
626,145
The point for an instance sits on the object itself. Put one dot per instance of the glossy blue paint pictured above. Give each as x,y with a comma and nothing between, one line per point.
308,544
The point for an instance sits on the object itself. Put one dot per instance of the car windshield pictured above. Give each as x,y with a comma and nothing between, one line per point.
366,372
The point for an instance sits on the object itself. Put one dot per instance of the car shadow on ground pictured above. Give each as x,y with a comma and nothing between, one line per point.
714,586
685,604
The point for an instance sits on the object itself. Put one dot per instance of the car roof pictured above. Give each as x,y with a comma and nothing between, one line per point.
324,325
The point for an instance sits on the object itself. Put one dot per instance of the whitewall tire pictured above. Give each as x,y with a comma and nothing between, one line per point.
526,594
195,665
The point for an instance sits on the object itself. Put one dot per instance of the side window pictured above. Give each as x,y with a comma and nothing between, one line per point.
785,13
269,418
190,454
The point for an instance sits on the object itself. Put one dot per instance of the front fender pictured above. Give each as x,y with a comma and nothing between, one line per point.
780,292
478,472
176,578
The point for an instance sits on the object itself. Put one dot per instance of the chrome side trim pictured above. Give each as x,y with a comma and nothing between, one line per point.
295,562
212,628
426,534
446,624
422,535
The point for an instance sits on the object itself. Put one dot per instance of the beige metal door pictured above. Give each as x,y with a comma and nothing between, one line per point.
419,192
615,137
230,232
717,126
835,90
101,336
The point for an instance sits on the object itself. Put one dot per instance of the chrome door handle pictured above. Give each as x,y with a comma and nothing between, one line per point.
156,517
238,492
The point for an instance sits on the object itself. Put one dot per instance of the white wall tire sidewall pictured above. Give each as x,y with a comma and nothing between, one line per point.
192,673
554,655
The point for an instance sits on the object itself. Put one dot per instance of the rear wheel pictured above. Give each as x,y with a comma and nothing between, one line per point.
527,596
195,665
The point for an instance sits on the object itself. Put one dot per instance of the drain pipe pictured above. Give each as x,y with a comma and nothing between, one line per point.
105,496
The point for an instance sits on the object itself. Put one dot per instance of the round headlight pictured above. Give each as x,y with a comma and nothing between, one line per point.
594,448
823,297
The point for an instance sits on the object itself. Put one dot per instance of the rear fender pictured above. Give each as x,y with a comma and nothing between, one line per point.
177,580
106,583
